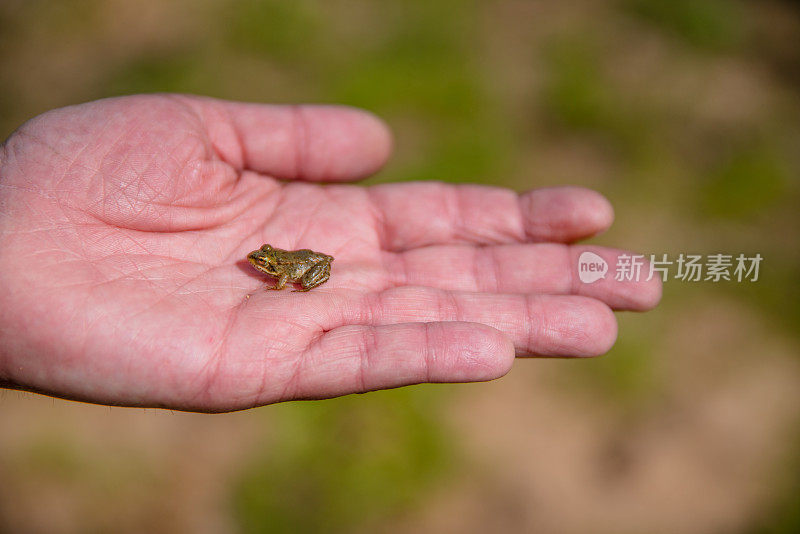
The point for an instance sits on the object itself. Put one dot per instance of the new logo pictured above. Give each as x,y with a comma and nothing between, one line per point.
591,267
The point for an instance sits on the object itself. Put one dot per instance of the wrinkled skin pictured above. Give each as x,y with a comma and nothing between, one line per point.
124,224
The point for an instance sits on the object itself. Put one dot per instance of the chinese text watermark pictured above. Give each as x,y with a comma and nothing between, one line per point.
685,267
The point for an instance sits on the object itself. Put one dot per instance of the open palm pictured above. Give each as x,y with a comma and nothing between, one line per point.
124,226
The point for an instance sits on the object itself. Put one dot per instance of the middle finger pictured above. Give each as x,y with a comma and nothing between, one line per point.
523,268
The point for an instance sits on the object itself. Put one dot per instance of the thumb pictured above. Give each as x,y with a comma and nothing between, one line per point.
308,142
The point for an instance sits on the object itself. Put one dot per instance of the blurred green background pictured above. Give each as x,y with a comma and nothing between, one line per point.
685,113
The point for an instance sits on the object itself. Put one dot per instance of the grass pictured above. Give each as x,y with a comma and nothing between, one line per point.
338,465
711,25
747,183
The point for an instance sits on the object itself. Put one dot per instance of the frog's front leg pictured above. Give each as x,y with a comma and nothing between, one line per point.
315,276
281,282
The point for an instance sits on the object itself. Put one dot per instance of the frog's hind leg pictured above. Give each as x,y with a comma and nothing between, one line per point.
315,276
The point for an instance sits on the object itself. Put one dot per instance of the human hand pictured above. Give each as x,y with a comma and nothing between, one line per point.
124,224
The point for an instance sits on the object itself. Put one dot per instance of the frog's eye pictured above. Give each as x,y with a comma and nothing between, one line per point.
266,248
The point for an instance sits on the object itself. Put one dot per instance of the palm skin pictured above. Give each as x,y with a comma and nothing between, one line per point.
125,223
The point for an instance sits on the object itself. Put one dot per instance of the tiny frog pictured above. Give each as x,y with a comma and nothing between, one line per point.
305,266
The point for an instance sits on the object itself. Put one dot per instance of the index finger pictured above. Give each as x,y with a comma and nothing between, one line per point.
430,213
